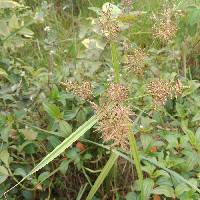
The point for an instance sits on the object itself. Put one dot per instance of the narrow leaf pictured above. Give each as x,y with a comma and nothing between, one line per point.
61,148
102,175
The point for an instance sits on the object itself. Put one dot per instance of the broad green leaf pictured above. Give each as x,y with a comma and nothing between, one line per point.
8,4
194,16
20,172
2,71
3,174
196,117
61,148
148,185
65,128
4,29
189,133
132,196
52,110
181,188
13,23
43,176
165,190
4,156
102,175
64,166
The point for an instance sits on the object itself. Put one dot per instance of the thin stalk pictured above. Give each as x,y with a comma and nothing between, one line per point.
135,155
184,61
115,60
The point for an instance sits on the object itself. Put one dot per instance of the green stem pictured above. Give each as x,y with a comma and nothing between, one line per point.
115,61
184,61
135,155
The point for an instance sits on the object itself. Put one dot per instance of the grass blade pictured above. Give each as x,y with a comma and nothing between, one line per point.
102,175
135,155
152,161
115,61
60,148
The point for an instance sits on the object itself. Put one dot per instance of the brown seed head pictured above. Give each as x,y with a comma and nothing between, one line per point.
115,126
109,26
135,61
126,5
83,90
164,28
160,90
117,93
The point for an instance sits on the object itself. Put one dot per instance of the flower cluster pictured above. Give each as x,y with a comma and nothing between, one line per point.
126,5
162,90
109,25
114,122
135,61
83,90
164,27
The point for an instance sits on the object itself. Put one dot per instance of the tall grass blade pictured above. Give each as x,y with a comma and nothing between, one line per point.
135,155
150,160
115,60
60,148
102,175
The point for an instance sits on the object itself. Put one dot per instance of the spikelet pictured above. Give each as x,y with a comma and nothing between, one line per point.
115,126
162,90
126,5
83,90
117,93
109,25
135,61
164,27
114,122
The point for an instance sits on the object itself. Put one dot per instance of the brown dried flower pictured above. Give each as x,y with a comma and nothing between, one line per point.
164,27
114,122
83,90
135,61
162,90
126,5
117,93
109,25
115,126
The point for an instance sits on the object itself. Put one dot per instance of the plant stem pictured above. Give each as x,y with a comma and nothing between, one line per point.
135,155
115,61
184,61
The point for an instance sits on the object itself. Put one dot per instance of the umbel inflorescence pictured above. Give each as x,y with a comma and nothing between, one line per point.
83,90
126,5
162,90
114,122
108,24
136,61
164,27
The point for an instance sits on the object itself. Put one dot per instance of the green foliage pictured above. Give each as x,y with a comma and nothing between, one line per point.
48,145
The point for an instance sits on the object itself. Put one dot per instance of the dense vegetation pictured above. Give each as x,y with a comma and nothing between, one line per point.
100,100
